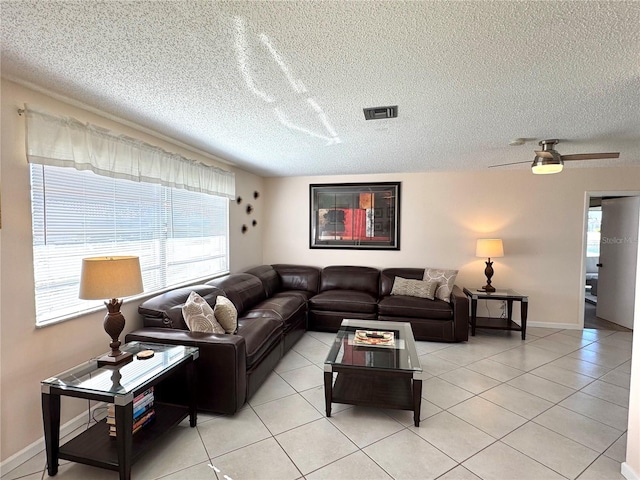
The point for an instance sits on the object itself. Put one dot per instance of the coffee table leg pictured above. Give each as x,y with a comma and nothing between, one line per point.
328,391
417,401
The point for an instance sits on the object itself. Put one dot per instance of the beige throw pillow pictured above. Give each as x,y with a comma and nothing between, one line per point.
414,288
445,279
198,315
226,314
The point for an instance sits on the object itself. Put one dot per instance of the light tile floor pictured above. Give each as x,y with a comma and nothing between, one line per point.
552,407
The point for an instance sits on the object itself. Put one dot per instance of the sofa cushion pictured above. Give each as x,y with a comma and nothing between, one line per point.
388,276
287,309
298,277
260,335
226,314
414,307
199,316
350,278
414,288
243,289
303,295
344,301
269,278
445,279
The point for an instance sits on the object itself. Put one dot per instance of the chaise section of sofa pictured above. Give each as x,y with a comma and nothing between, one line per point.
231,367
222,363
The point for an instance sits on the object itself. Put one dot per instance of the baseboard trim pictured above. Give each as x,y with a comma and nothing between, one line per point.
36,447
628,472
563,326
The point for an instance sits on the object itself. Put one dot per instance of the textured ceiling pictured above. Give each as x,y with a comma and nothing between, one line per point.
278,88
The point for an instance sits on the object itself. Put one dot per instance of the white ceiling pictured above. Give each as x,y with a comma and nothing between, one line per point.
278,88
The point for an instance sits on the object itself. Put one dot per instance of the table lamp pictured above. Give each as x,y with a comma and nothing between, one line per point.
489,247
111,277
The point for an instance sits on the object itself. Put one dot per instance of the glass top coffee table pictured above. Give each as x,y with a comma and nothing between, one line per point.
374,363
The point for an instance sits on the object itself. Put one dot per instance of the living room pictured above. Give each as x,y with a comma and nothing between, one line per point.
443,213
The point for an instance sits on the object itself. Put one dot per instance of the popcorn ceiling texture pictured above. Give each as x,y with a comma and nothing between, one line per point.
278,88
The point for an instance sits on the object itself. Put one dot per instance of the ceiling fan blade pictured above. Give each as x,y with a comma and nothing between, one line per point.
506,164
590,156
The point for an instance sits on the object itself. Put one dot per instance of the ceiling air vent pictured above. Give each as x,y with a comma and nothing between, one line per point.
376,113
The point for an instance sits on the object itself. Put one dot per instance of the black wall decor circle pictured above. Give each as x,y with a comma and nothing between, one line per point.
249,209
256,194
239,200
254,223
244,229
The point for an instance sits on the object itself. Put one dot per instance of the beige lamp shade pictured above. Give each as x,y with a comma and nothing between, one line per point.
110,277
489,248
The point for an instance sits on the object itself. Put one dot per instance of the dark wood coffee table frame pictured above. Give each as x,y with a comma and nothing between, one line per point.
94,446
373,387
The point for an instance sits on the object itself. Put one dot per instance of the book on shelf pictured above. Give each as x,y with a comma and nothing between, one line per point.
143,412
137,408
111,419
141,422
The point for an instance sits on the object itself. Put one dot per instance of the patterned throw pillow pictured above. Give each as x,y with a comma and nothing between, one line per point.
226,314
445,279
414,288
198,315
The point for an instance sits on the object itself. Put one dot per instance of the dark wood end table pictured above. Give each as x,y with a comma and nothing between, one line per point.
118,385
508,296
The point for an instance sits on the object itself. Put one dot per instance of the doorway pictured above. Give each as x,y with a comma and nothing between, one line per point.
610,253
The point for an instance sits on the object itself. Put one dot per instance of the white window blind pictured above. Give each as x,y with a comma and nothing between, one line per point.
96,193
179,235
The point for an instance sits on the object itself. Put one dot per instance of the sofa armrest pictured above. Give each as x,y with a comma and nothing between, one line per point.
221,367
460,304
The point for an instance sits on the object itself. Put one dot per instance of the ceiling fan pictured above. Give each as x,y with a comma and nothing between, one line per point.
549,160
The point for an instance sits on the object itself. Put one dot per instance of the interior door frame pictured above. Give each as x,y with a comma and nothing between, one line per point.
583,262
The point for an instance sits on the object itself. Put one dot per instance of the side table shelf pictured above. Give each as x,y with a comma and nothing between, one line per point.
497,323
95,447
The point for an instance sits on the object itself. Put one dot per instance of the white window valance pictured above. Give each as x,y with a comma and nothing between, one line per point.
67,142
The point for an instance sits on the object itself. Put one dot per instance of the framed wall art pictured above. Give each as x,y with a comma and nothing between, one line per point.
355,216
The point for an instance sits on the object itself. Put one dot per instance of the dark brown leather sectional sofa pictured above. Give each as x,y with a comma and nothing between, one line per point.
276,304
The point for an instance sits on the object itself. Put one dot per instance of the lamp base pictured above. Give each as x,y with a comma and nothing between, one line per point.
108,360
488,288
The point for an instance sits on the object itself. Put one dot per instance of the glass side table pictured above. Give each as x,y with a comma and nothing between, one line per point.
508,296
118,385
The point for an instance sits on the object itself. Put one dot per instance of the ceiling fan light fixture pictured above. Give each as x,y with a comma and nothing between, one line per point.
546,166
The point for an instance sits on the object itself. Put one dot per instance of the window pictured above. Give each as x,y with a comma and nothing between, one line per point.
180,235
593,231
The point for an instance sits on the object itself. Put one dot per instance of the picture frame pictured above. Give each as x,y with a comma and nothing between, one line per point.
355,216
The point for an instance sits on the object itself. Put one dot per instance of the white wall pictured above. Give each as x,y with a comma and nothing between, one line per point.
540,218
29,355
